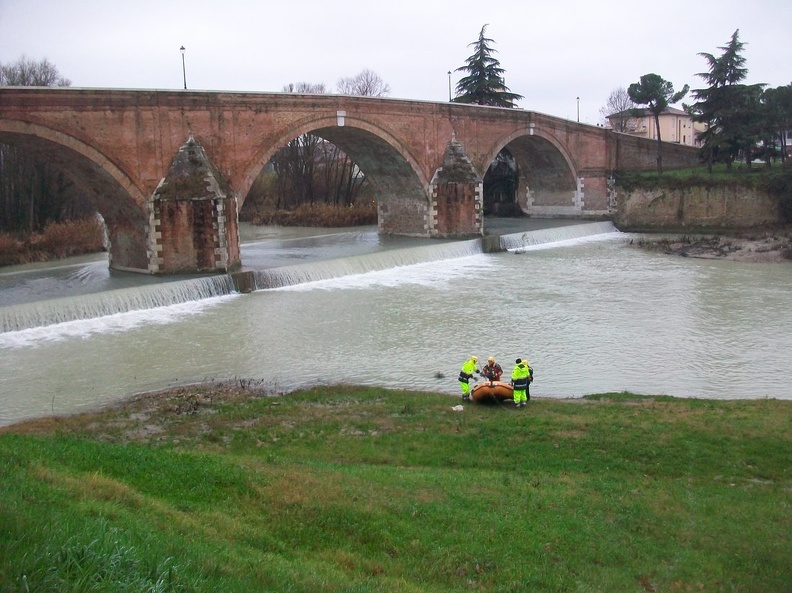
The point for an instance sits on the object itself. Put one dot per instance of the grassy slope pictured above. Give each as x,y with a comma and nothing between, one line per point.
364,489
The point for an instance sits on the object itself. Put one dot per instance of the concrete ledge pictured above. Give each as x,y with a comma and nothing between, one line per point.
491,244
244,282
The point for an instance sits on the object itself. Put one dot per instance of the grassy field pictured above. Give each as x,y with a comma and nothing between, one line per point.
346,489
777,180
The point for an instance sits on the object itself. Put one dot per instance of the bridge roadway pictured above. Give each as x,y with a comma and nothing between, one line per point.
169,170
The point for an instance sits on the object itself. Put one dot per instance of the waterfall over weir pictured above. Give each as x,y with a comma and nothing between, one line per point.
44,313
361,264
554,235
60,310
385,260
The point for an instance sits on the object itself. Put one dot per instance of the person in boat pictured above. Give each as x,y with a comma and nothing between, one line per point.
466,374
492,370
521,377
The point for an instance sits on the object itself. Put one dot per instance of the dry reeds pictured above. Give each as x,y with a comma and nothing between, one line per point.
320,215
56,241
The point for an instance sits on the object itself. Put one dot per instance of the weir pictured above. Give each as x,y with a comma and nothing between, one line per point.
361,264
110,302
515,241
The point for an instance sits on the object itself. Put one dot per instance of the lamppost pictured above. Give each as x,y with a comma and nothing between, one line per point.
184,69
578,103
449,86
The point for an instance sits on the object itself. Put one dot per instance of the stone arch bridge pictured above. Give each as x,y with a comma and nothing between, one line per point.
169,170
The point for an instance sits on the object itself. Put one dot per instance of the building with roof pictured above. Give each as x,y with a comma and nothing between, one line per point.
675,125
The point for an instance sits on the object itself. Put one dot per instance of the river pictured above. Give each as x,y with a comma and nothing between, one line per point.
591,312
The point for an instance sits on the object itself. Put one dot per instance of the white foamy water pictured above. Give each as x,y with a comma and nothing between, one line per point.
610,236
114,323
436,274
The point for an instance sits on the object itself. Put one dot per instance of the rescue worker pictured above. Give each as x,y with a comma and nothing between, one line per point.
492,370
466,374
522,375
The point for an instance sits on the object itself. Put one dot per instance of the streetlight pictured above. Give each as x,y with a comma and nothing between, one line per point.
449,86
578,103
184,69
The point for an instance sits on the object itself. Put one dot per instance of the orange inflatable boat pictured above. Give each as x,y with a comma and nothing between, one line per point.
492,391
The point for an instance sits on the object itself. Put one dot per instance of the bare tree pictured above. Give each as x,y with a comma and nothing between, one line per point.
310,169
295,163
364,84
310,88
32,192
27,72
618,110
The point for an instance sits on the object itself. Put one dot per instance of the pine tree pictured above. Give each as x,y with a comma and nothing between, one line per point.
657,94
729,109
484,84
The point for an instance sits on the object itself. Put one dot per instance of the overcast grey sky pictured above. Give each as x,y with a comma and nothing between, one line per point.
553,51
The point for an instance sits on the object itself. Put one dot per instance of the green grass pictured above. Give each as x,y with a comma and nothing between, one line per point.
776,179
364,489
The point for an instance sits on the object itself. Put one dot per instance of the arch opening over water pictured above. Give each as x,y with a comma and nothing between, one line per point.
546,175
100,186
396,181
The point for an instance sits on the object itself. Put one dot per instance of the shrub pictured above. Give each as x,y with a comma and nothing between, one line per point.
321,215
10,249
56,241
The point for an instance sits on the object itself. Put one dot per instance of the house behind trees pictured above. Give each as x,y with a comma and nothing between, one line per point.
675,125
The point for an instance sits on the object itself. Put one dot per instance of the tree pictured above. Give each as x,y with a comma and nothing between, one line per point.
777,119
657,94
309,168
295,163
26,72
729,109
618,110
484,84
364,84
32,192
318,88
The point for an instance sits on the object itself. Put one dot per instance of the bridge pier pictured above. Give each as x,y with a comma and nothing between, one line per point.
193,223
114,145
457,197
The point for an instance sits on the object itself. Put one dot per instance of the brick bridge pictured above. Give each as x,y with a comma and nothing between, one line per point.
169,170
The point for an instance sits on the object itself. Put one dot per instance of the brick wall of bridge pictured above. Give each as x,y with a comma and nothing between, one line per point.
128,139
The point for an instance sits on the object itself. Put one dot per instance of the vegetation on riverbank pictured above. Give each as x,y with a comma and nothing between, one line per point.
57,241
213,488
67,239
319,215
776,181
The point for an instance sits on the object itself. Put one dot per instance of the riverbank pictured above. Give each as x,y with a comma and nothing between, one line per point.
760,247
230,487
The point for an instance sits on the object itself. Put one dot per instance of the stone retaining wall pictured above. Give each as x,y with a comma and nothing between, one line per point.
695,208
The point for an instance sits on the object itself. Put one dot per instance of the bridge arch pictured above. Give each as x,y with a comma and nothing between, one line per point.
548,174
400,184
100,181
